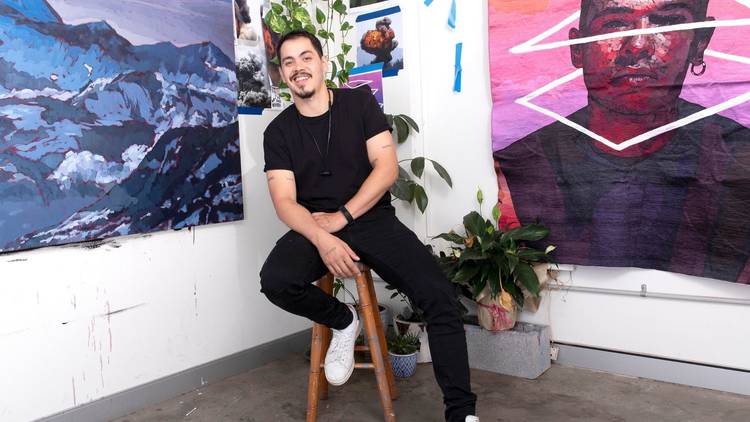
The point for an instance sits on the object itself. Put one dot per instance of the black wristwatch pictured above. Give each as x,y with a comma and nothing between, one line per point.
347,215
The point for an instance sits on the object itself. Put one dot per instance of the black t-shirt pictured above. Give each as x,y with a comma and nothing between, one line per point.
290,144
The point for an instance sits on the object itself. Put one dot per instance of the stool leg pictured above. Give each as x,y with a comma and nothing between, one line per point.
317,350
325,284
313,385
383,343
370,315
323,381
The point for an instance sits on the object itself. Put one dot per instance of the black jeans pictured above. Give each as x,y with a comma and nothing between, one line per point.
402,260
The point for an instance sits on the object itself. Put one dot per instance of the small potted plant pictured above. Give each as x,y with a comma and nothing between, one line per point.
495,266
402,349
411,320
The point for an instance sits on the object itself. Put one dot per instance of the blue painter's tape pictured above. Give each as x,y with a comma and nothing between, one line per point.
255,111
390,72
427,2
457,79
378,13
452,16
365,69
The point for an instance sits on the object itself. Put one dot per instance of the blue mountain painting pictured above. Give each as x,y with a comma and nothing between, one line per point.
100,137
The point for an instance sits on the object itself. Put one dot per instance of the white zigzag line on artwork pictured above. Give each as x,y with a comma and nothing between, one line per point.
531,45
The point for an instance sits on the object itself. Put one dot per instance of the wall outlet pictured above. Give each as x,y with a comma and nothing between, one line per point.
553,352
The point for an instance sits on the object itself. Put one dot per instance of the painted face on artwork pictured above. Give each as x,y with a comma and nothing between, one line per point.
302,68
640,74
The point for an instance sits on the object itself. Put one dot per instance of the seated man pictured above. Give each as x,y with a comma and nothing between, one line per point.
330,161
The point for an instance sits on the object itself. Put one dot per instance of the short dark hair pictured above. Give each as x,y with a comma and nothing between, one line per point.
586,6
298,33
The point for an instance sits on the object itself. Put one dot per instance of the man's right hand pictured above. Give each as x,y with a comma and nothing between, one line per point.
337,256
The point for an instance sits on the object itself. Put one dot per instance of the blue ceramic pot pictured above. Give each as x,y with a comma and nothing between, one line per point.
404,366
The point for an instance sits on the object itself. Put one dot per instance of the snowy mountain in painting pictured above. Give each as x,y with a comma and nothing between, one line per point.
99,137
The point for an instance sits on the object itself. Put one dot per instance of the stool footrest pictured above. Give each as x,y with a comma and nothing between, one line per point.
357,365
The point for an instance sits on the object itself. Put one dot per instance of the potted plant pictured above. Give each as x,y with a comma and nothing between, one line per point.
402,349
495,266
411,320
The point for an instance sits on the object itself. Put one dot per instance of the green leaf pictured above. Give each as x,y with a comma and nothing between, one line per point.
402,190
277,24
320,16
345,48
349,66
442,172
389,119
303,16
531,232
340,59
493,278
334,69
532,255
410,122
310,28
467,272
339,7
403,174
480,196
322,33
528,278
417,166
474,223
420,196
402,129
495,213
346,26
276,8
451,237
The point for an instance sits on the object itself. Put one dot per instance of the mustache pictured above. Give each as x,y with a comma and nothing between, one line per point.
300,72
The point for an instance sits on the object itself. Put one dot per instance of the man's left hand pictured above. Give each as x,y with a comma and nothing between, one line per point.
331,222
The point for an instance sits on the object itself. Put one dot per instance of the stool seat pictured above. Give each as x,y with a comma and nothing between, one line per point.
321,337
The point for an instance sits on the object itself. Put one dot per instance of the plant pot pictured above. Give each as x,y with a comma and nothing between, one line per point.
496,314
403,366
403,326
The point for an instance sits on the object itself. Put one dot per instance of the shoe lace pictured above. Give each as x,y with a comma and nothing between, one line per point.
340,345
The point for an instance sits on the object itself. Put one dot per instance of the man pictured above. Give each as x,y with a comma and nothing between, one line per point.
677,201
330,161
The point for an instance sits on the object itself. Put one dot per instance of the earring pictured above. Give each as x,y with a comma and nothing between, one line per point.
702,70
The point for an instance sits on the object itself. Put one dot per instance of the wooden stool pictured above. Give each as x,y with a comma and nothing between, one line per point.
321,338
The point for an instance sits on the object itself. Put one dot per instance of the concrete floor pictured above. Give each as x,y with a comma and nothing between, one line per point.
277,392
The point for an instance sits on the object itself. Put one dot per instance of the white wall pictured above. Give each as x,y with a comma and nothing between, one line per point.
457,133
195,293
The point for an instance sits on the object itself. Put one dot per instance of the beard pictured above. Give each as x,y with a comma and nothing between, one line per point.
305,94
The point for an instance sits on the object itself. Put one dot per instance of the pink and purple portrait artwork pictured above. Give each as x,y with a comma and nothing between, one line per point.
116,118
623,126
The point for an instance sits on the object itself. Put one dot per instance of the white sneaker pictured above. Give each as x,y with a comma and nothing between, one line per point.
339,363
472,419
